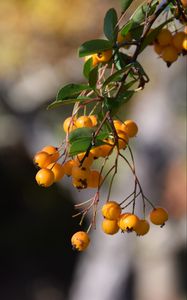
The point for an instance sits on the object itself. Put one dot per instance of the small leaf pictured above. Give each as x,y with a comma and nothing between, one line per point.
71,90
127,27
78,133
115,77
82,144
121,60
125,4
113,104
142,11
88,66
94,46
93,77
110,29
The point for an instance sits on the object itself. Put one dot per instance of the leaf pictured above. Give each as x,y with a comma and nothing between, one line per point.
121,60
152,35
127,27
79,146
58,103
113,104
71,90
142,11
93,77
94,46
110,29
88,66
136,31
115,77
125,4
78,133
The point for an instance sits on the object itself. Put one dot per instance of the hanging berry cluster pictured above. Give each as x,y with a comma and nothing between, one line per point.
94,131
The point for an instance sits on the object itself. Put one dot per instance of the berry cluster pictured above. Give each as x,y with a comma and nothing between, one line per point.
169,46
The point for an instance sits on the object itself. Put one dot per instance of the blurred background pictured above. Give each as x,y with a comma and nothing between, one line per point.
38,54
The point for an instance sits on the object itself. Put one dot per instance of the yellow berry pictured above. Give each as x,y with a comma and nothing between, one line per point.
184,3
58,171
94,179
111,210
119,126
169,54
104,56
101,151
121,218
69,124
93,119
88,160
158,216
84,121
80,172
184,44
110,226
45,177
80,240
53,151
142,228
122,140
79,183
158,48
178,39
42,159
68,166
130,222
164,37
131,128
94,59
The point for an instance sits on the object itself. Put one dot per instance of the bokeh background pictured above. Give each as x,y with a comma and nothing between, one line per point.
38,54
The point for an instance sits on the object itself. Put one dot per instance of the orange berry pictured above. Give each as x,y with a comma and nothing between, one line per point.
94,179
68,166
53,151
111,210
45,177
58,171
158,48
42,159
142,228
178,39
69,124
79,183
130,222
184,3
84,121
110,226
80,172
119,126
120,220
80,240
93,119
131,128
122,139
184,44
101,151
158,216
169,54
88,160
164,37
104,56
94,59
185,29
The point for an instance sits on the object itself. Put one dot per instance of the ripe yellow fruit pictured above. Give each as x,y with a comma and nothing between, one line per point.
184,3
94,179
80,240
158,216
110,226
131,128
58,171
178,39
42,159
184,44
84,121
164,37
80,172
122,139
79,183
158,48
185,29
121,218
111,210
88,160
69,124
104,56
68,166
53,151
45,177
101,151
169,54
130,222
142,228
119,126
94,120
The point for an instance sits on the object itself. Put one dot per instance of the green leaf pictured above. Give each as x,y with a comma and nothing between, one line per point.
127,27
78,133
70,90
125,4
93,77
152,35
142,11
58,103
94,46
136,31
80,145
110,29
115,77
113,104
88,66
121,60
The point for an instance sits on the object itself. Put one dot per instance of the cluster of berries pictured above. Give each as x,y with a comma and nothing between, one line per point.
169,46
114,220
79,166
